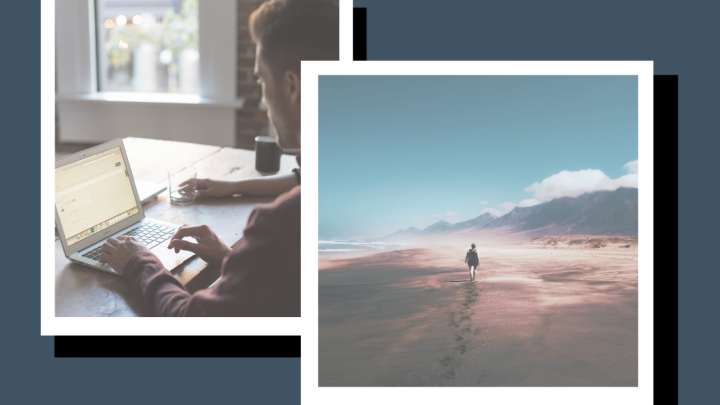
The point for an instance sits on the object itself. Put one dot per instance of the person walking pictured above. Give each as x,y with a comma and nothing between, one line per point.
472,260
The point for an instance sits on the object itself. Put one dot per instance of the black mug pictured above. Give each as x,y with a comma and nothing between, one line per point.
267,154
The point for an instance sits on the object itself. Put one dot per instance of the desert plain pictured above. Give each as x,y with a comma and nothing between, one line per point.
552,311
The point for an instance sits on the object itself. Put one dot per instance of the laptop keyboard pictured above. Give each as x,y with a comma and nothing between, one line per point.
94,254
149,233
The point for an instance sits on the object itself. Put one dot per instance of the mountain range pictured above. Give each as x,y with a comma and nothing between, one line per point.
598,213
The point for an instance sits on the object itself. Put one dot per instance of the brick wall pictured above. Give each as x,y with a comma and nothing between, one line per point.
251,121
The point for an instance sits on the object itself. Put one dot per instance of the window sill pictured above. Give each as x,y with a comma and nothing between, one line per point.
101,117
151,99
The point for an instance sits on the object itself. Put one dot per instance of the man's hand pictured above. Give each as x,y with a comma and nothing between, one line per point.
117,252
209,247
213,188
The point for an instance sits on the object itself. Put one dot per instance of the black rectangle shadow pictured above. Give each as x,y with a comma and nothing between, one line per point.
359,33
665,223
177,346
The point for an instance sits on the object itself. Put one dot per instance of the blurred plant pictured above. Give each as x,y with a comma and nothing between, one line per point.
180,31
174,32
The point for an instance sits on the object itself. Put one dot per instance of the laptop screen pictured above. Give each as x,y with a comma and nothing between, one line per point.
92,194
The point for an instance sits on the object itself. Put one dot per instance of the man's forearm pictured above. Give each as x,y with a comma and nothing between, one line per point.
269,185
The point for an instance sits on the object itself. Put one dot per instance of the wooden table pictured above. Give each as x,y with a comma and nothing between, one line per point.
83,291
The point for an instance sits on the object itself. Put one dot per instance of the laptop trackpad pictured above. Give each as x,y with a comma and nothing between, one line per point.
169,258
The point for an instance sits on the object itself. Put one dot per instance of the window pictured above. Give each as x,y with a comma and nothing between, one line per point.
148,46
207,116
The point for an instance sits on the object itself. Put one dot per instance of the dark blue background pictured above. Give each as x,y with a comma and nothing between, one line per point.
681,38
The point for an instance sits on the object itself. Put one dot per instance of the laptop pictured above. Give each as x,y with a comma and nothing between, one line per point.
96,198
148,190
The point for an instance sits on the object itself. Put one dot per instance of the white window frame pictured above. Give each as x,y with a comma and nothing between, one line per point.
88,116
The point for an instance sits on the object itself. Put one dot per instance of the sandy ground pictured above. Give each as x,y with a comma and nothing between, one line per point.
555,311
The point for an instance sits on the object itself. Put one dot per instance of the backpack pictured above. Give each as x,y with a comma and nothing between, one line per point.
473,256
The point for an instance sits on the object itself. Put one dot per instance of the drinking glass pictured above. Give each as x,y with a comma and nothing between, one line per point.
182,182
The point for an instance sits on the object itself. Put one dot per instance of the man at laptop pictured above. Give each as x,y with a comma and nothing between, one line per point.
261,273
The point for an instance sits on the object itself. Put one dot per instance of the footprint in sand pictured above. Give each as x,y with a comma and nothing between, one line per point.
453,322
457,319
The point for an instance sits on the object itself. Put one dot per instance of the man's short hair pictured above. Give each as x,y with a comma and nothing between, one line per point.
294,30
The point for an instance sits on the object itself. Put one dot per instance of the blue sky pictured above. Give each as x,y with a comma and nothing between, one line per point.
401,151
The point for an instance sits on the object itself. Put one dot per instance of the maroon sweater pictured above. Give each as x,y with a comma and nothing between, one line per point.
260,276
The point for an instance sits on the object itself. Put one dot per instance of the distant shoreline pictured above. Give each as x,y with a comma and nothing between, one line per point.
332,248
600,243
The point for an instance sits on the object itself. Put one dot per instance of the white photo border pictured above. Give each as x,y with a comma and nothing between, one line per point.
311,393
50,325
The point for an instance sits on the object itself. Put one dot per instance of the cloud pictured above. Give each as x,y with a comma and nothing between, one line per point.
529,202
632,166
482,202
493,211
573,184
507,206
452,213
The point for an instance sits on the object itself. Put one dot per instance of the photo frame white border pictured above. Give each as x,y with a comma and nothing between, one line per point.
50,324
311,393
